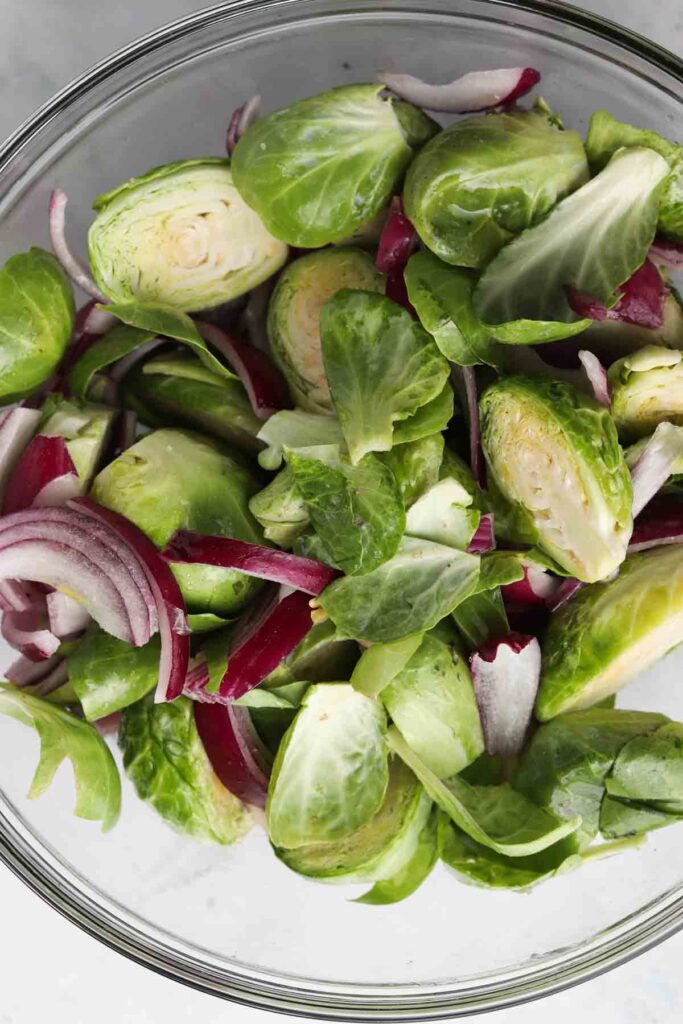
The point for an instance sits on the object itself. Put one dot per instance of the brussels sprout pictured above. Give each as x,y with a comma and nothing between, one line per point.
294,317
647,389
409,878
84,426
568,759
606,135
378,849
173,390
172,480
98,787
484,179
294,429
625,818
182,236
281,510
415,465
554,454
318,169
108,674
591,242
650,768
608,633
431,702
442,515
379,664
166,762
36,319
331,771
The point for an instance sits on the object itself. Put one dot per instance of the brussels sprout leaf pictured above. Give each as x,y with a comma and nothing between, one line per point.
108,674
411,876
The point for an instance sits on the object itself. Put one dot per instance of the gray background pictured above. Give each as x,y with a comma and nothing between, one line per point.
50,970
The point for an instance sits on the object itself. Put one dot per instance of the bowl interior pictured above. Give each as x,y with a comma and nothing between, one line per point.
235,920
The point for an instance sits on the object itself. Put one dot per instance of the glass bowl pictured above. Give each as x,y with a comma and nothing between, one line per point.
235,921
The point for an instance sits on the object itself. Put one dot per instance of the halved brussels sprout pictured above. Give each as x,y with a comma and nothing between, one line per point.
294,317
484,179
331,771
555,456
432,704
181,236
172,480
164,758
647,389
318,169
377,850
84,426
36,318
608,633
281,510
182,390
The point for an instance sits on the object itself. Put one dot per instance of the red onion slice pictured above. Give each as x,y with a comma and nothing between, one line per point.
45,475
265,386
242,118
477,464
19,596
505,674
234,750
484,539
78,274
537,587
52,680
170,605
25,631
597,377
641,302
477,90
67,617
397,241
655,464
666,254
661,524
24,672
305,574
17,426
109,725
564,592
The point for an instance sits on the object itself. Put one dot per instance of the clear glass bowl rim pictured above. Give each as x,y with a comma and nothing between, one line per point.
103,919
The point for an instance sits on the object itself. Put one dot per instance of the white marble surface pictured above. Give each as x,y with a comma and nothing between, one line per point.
50,970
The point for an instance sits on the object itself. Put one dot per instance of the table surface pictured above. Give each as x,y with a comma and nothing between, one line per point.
69,976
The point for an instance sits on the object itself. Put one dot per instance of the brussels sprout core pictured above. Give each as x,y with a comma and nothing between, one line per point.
647,389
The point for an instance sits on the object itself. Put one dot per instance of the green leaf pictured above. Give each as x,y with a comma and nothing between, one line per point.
320,657
481,617
495,816
116,344
442,297
319,168
381,367
108,674
621,818
293,429
331,771
411,876
606,135
593,241
410,593
379,664
166,762
441,515
431,418
281,510
650,767
98,787
568,759
415,465
357,511
85,428
169,323
431,702
484,179
36,319
205,622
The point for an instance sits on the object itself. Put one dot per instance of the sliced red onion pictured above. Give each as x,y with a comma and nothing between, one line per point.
477,90
242,118
661,524
265,386
305,574
45,475
484,539
477,463
52,680
24,672
98,321
641,302
17,426
63,548
655,464
78,274
67,617
597,377
255,314
505,674
108,725
666,253
170,605
564,592
537,587
19,596
397,291
397,241
26,632
234,750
